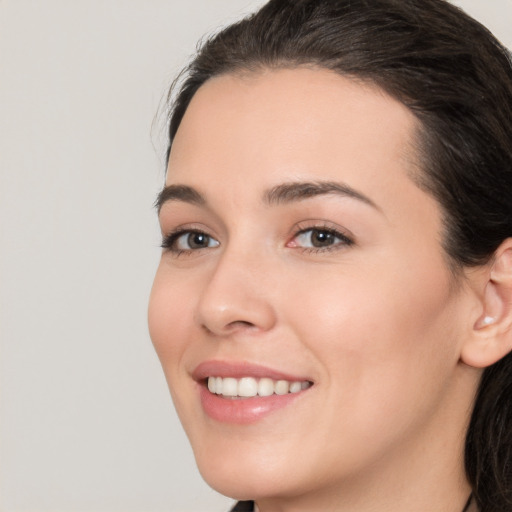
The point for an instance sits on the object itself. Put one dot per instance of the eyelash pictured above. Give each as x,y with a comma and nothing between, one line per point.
169,241
344,239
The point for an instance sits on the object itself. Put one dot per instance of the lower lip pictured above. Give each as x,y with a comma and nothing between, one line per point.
243,410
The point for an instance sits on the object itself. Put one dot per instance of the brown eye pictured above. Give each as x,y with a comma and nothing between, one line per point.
187,241
322,238
197,240
319,238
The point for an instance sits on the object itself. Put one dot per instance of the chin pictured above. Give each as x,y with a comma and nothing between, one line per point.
244,486
243,477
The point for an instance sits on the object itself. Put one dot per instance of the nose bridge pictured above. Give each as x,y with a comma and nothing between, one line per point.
237,294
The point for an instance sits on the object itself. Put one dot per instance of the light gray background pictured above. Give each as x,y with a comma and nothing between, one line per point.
86,419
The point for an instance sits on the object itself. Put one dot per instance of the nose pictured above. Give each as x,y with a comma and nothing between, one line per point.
236,297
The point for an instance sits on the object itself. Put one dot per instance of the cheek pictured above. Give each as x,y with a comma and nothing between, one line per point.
376,330
387,351
168,306
169,319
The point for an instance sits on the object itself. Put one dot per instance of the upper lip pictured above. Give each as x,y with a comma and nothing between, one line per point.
239,369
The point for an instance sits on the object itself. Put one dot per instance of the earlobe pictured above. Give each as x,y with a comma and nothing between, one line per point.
491,335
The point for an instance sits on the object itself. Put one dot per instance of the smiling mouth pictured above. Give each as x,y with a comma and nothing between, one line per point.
249,387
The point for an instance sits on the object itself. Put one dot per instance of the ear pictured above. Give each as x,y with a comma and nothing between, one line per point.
491,334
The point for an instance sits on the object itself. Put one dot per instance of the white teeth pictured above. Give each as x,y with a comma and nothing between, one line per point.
295,387
248,387
282,387
265,387
229,387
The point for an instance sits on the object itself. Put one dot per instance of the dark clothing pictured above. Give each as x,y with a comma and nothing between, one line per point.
243,506
248,506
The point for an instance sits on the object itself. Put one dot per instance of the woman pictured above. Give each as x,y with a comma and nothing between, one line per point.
333,305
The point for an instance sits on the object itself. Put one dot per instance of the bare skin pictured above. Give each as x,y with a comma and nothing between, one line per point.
346,287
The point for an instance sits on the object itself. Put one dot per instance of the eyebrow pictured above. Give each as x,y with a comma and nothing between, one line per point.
182,193
280,194
298,191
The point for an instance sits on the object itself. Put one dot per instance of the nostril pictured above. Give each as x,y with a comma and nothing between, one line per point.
241,323
232,326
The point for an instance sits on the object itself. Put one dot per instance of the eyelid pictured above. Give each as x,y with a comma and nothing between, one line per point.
169,239
346,238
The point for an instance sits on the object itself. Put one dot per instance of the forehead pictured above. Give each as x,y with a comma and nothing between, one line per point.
287,119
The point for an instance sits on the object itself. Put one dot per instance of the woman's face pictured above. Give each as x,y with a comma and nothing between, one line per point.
298,248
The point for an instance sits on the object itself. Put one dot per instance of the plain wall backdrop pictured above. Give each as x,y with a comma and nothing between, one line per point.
86,420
